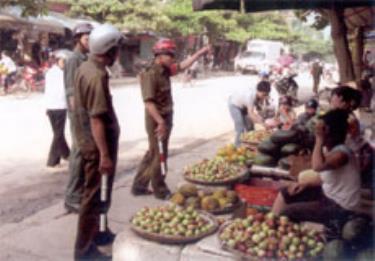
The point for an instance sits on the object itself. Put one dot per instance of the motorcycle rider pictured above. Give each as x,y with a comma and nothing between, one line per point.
74,188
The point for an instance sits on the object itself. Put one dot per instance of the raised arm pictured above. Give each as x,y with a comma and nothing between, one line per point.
191,59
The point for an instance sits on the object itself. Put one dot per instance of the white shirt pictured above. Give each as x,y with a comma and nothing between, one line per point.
343,185
54,92
8,63
243,98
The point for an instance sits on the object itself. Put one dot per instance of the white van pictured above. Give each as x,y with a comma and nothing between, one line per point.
258,56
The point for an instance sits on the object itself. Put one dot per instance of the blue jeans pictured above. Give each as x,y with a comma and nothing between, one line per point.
242,122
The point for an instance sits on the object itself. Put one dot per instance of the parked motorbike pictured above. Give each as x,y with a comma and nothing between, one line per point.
33,77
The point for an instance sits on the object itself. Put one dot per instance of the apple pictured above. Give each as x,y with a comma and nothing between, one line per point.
259,217
283,220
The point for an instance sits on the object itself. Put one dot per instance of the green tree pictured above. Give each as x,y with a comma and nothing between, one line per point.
29,7
334,18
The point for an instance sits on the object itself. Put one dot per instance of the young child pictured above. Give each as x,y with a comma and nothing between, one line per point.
285,117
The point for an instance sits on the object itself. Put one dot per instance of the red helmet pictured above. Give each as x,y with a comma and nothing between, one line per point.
164,46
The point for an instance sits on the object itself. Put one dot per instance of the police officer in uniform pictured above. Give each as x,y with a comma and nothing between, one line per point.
97,132
74,188
157,97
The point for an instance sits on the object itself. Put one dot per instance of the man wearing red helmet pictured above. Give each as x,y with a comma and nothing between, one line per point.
157,96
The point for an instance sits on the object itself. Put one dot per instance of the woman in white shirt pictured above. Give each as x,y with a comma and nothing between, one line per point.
335,195
244,107
55,99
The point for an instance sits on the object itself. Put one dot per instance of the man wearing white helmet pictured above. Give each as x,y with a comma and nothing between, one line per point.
54,95
97,133
74,188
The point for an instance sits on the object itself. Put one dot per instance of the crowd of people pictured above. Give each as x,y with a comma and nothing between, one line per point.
342,158
77,86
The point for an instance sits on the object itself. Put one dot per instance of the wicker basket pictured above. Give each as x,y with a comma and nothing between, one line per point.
164,239
243,175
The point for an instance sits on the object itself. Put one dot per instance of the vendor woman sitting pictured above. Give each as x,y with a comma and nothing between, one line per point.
335,194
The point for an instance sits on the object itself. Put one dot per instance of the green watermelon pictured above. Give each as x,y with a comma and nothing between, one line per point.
282,137
268,147
284,163
264,160
335,251
354,229
290,149
366,255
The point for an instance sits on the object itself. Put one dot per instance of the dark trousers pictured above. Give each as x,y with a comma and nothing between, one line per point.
91,206
59,148
149,169
73,193
316,82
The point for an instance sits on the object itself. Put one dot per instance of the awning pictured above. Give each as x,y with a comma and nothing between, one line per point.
42,25
67,22
10,21
36,24
264,5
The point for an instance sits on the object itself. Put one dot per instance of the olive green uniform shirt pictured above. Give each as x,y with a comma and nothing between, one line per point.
156,86
93,99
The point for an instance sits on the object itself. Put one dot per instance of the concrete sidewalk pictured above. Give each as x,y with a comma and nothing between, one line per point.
50,234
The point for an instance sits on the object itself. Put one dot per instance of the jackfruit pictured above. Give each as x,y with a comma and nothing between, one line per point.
210,203
232,196
178,199
219,193
223,202
193,202
188,190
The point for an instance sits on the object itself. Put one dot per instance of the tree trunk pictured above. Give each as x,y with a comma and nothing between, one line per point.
340,45
358,54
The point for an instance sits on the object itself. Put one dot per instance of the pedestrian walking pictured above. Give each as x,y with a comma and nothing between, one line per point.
73,193
157,97
55,98
316,72
97,133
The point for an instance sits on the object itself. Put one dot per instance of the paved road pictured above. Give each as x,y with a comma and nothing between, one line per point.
26,186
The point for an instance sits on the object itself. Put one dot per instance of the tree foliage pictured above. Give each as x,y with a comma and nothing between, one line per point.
29,7
177,18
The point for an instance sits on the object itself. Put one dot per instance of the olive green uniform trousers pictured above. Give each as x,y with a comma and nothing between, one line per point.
149,169
91,206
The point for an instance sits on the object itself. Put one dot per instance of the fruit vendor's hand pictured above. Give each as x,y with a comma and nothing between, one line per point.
161,130
296,188
320,129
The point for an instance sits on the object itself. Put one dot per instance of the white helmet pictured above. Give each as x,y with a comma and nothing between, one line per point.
103,38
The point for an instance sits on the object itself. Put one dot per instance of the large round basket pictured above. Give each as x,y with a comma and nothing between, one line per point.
226,182
235,252
248,257
164,239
